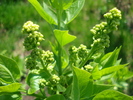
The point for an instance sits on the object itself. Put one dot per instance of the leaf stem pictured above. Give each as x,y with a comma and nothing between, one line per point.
87,58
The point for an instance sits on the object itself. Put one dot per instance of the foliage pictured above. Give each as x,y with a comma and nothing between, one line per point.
83,74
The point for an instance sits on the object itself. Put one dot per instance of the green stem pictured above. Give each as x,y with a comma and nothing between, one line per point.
59,59
35,95
42,92
59,14
59,18
44,67
87,58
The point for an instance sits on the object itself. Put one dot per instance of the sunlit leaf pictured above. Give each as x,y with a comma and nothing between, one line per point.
63,37
110,59
9,70
73,10
111,95
46,13
10,88
112,69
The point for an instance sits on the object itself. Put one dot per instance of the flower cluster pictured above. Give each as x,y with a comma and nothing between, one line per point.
82,51
43,82
48,56
31,63
29,27
77,54
33,40
34,37
55,78
100,31
113,17
88,68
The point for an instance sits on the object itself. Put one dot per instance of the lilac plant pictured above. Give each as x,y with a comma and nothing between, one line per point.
80,73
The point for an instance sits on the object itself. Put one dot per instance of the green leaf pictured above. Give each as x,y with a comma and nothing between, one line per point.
45,13
63,37
33,82
81,79
110,59
111,95
96,73
61,4
97,88
9,70
73,10
56,97
10,88
5,75
110,70
8,97
60,88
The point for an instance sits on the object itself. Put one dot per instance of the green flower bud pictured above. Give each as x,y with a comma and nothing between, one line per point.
48,57
55,78
42,82
88,68
33,40
31,63
50,68
29,27
82,51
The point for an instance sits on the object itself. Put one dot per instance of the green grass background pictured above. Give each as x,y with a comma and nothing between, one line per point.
14,13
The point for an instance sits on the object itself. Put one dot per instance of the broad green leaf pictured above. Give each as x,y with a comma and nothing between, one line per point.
63,37
73,10
60,88
9,70
97,88
10,88
110,70
33,82
96,73
81,79
9,97
61,4
75,87
5,75
111,95
56,97
110,59
46,13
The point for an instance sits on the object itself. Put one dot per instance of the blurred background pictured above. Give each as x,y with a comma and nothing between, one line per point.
14,13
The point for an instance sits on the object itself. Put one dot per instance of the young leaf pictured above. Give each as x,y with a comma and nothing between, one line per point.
96,73
81,79
111,95
73,10
63,37
110,70
60,88
56,97
61,4
9,88
9,69
46,13
110,58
